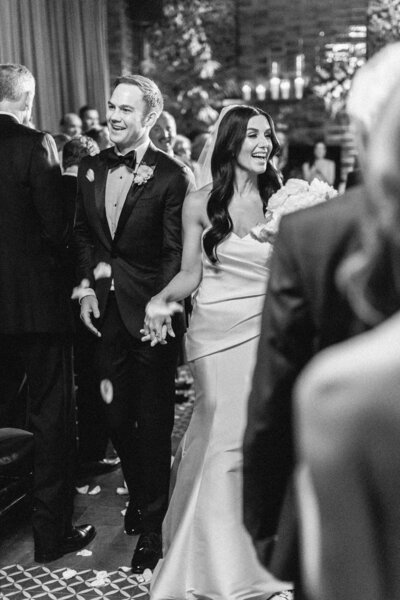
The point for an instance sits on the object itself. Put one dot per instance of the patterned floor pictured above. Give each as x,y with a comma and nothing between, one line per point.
27,582
17,583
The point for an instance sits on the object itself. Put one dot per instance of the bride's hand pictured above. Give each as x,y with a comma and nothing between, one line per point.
157,322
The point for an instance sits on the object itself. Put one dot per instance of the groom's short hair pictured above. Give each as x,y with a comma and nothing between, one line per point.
15,80
152,96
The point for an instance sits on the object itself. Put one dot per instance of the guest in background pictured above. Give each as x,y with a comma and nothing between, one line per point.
92,426
355,175
163,132
90,118
320,167
35,316
71,125
101,136
305,311
348,409
182,148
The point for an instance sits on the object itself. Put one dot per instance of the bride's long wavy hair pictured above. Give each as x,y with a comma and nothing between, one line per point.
371,275
231,134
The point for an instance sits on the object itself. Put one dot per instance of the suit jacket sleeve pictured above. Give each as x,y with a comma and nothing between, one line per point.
172,226
45,179
82,238
285,346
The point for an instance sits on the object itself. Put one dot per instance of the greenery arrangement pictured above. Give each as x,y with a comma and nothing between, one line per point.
183,47
383,23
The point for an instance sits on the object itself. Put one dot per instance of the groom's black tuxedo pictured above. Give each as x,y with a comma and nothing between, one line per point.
304,312
144,254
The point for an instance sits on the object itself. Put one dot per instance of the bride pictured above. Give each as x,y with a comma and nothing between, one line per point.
207,552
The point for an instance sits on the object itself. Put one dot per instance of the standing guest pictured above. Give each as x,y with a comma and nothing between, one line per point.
207,551
320,167
90,118
101,136
182,148
92,428
35,326
304,313
129,216
163,132
71,125
348,408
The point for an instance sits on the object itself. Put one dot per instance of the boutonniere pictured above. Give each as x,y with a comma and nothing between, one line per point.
90,175
143,174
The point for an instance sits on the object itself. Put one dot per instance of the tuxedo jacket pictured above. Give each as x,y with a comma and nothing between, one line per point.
348,431
33,233
145,253
304,312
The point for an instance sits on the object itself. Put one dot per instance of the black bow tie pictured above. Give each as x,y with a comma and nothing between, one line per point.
114,160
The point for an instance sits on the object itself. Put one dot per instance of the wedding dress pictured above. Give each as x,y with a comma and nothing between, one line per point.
208,554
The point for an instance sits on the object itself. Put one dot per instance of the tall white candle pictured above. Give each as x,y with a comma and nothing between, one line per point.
274,87
260,91
246,92
285,89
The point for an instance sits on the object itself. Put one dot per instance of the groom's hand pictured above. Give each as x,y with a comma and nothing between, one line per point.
89,307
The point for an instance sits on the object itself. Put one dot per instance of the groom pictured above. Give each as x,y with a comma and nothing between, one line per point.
129,216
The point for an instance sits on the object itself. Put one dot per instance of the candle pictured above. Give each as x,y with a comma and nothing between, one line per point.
260,91
274,69
274,87
285,89
298,87
246,92
299,65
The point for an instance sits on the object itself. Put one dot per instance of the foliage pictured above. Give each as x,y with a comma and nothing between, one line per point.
192,47
332,79
383,23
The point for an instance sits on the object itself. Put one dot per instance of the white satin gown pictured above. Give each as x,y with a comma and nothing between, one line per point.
208,554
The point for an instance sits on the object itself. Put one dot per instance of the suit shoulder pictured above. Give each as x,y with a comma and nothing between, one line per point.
338,214
171,163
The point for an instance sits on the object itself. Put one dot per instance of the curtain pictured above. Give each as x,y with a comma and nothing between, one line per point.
64,44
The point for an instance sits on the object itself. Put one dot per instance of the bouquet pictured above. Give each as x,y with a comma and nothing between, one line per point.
295,195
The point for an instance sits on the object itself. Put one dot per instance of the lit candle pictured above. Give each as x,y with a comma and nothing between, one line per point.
274,87
274,69
298,87
260,91
246,92
285,89
299,65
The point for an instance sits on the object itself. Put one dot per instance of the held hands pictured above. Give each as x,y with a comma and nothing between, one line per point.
157,321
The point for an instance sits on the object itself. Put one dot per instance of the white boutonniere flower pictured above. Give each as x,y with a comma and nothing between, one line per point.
90,175
295,195
143,174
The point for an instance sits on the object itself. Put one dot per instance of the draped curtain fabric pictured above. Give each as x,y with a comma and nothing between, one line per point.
64,44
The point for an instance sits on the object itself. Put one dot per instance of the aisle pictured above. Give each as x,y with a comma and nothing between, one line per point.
23,579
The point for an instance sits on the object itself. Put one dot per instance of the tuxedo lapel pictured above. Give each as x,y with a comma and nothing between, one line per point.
135,191
100,197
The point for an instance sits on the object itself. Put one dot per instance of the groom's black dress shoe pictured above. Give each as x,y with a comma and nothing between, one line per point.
147,553
79,537
133,520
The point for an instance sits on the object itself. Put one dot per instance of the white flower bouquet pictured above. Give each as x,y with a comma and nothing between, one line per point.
295,195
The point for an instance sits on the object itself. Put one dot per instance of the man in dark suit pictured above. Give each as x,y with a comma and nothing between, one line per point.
304,312
129,216
34,309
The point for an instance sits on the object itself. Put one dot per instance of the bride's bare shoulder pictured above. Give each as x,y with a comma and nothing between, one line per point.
195,205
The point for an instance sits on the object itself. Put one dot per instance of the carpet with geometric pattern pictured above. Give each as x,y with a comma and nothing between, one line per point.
18,583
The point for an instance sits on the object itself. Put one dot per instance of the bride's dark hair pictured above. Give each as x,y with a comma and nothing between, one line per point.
231,134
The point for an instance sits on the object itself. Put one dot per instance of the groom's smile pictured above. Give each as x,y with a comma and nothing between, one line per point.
126,117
